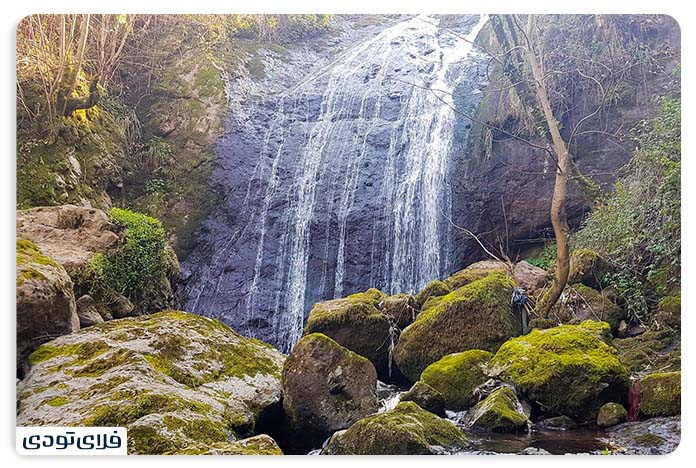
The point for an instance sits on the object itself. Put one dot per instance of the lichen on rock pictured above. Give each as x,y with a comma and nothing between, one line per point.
172,378
661,394
611,414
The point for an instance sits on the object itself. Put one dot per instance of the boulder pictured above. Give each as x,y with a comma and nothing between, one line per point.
88,311
433,289
173,379
588,268
611,414
400,309
653,350
530,277
257,445
426,397
45,301
501,411
69,234
570,369
669,312
474,272
455,377
579,303
326,388
356,323
475,316
557,423
660,394
406,430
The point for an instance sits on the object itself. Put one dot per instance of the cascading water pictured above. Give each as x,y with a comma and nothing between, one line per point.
349,188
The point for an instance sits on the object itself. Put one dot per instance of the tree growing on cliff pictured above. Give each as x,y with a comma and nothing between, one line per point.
552,64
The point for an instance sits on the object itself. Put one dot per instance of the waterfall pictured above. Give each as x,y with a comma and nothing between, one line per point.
349,188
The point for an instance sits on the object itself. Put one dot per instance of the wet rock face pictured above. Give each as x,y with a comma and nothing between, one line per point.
653,436
318,177
326,388
173,379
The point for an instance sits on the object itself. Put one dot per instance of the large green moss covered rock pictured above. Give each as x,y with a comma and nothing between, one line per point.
579,303
257,445
45,301
661,394
173,379
611,414
326,388
587,267
475,316
569,369
455,377
669,312
406,430
426,397
501,411
400,309
356,323
433,289
474,272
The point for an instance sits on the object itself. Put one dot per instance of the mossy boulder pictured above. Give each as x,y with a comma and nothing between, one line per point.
406,430
579,303
587,267
530,277
455,377
257,445
326,388
173,379
611,414
501,411
45,301
475,316
661,394
474,272
356,323
400,309
569,369
433,289
426,397
669,312
654,349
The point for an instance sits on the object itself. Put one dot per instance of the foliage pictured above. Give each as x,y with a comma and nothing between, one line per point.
545,259
638,227
137,265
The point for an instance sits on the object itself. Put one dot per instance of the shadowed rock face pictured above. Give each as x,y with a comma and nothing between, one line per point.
339,167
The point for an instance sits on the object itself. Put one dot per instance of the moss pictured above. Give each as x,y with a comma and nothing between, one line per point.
611,414
147,440
83,351
472,273
661,394
669,311
499,412
57,401
406,430
356,323
97,367
433,289
29,274
565,369
588,268
455,376
201,430
426,397
542,323
649,440
28,252
655,349
475,316
259,445
580,302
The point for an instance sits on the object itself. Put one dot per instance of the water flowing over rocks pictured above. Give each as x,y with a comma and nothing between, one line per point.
331,179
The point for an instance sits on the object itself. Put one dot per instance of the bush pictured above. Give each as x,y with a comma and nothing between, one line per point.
140,263
637,228
545,259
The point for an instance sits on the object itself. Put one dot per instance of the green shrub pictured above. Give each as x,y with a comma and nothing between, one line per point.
545,259
637,228
137,265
